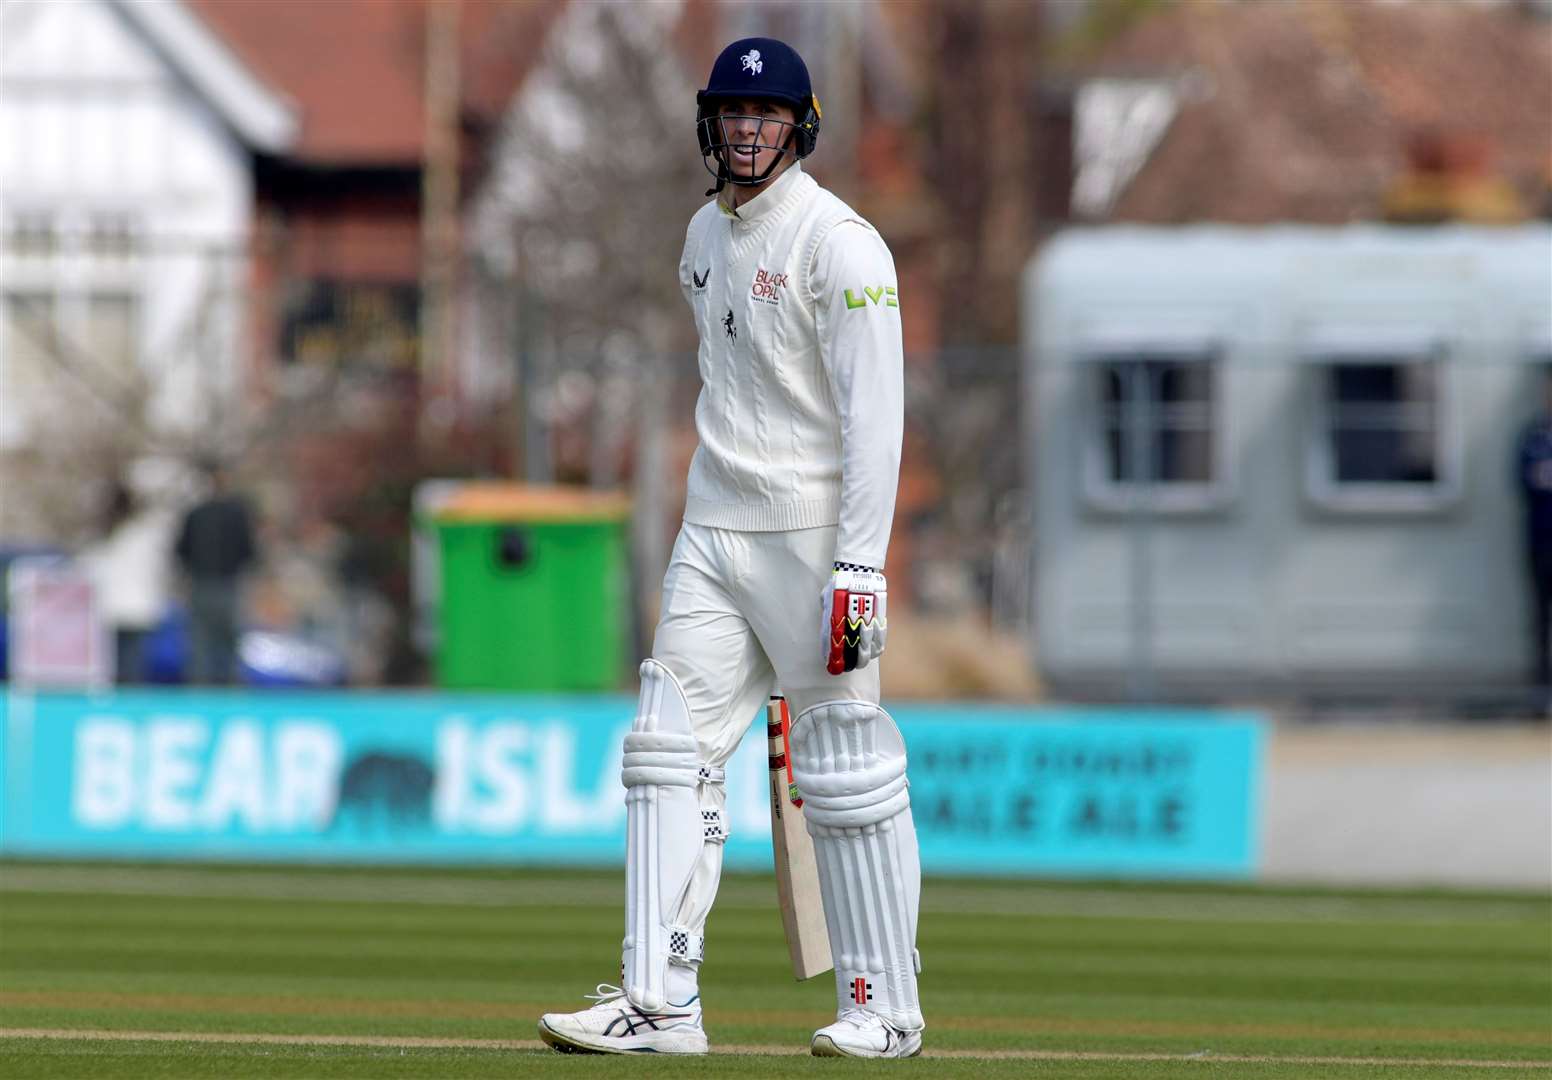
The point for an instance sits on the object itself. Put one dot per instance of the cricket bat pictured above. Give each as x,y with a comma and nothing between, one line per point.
797,874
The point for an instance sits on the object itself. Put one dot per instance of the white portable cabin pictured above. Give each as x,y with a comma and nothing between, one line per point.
1327,418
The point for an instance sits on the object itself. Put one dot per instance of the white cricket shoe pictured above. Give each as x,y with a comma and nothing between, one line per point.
615,1026
859,1033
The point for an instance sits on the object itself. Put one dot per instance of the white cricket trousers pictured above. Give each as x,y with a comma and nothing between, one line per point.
740,616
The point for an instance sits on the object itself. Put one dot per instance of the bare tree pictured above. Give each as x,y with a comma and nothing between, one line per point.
584,216
583,219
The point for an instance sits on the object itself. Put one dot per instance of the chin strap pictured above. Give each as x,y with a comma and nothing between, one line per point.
723,176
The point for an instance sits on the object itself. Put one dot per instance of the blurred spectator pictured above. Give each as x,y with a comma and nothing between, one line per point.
128,567
215,545
314,592
1535,481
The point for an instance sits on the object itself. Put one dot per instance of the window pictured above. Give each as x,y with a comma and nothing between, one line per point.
49,343
30,235
350,323
1158,424
110,330
112,236
25,325
1384,423
79,271
28,317
1380,439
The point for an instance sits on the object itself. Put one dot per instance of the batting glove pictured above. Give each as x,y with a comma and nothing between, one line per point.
854,610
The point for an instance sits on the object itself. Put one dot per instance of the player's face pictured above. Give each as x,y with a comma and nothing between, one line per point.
755,132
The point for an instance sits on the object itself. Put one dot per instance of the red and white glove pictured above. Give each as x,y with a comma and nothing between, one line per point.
854,609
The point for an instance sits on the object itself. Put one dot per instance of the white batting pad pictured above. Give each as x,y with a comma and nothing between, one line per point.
674,824
849,764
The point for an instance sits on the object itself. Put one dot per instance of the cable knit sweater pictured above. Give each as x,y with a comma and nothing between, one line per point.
802,401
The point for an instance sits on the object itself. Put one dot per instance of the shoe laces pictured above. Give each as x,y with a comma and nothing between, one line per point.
605,992
861,1019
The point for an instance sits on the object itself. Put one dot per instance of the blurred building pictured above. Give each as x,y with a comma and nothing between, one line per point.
127,136
393,97
1318,112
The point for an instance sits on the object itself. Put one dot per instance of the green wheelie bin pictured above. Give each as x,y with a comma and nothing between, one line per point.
534,588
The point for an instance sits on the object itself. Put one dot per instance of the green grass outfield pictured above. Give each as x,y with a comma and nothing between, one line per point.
140,971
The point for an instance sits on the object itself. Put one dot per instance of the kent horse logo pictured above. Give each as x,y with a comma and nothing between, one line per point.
752,62
767,286
727,324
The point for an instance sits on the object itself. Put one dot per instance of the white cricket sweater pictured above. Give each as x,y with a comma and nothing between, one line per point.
802,401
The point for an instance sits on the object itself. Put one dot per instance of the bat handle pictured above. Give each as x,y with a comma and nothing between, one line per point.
838,606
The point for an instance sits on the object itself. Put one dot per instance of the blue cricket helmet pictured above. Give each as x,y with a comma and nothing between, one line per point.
763,69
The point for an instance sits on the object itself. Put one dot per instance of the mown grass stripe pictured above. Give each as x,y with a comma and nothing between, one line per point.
420,1042
757,995
319,943
1020,899
526,1010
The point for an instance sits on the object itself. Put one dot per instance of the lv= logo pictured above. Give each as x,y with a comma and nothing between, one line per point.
872,295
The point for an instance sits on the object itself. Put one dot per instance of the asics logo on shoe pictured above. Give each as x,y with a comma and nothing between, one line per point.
642,1021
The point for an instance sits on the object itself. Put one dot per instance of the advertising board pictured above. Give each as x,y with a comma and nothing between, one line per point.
411,777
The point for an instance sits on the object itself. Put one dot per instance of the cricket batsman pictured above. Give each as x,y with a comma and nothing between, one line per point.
775,580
